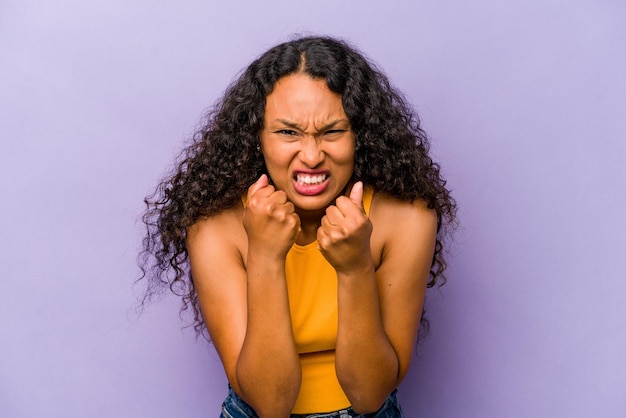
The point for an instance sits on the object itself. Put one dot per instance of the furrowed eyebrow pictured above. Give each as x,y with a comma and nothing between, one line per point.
290,124
326,127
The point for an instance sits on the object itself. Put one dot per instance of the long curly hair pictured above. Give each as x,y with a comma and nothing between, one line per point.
222,160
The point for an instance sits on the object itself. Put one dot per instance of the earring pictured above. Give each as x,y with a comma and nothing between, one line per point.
258,148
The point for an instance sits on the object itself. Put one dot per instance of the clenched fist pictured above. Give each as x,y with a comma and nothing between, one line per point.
344,236
270,220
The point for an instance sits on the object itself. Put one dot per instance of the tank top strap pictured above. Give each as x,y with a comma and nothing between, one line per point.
368,193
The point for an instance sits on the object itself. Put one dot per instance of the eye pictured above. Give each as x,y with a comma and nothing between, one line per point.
288,132
333,134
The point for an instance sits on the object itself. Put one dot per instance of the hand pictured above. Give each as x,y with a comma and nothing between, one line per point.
270,219
344,236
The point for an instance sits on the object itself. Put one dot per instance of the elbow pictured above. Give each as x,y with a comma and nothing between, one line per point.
367,406
267,406
277,408
273,413
369,397
366,400
274,401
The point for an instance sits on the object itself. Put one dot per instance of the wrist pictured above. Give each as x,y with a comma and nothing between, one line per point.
358,271
266,253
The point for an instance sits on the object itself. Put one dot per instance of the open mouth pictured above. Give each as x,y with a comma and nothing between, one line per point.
310,180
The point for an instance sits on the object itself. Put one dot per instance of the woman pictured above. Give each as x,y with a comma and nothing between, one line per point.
310,215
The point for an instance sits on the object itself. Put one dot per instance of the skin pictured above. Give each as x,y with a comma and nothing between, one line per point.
238,259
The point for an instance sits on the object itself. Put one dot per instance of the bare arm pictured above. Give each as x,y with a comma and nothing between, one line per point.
379,311
245,305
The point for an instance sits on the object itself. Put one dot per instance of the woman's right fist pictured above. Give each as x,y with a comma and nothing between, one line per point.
270,219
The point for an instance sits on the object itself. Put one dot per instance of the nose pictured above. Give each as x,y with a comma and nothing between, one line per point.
311,152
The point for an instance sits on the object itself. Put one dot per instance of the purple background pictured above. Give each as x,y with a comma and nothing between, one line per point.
526,106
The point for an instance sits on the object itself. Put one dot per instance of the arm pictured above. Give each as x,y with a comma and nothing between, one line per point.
379,310
245,305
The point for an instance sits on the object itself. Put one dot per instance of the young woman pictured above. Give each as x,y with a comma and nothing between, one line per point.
310,215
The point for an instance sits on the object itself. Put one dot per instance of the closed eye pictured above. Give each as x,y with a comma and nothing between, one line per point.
334,134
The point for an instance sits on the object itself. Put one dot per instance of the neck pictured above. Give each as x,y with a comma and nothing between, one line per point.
309,223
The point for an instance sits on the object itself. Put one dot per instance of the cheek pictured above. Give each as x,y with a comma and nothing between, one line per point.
273,167
346,155
277,162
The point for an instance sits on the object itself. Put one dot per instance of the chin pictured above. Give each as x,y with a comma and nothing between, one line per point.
311,203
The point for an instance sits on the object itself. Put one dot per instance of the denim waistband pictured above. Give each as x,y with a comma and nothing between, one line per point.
233,401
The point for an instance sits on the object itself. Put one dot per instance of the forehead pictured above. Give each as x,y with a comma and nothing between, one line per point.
301,96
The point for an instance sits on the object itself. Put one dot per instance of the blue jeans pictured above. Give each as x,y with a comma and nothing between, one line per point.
235,407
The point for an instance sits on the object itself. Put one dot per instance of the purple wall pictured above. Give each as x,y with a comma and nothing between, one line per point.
525,103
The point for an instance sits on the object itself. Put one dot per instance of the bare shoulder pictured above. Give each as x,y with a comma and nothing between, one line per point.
217,234
396,219
217,248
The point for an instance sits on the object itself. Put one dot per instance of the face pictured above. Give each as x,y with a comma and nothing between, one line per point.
307,142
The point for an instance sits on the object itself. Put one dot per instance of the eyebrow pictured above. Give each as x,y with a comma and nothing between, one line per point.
326,127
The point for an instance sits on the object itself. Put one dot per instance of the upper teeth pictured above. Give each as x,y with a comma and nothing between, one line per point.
308,179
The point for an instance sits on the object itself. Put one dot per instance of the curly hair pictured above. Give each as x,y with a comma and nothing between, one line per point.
222,160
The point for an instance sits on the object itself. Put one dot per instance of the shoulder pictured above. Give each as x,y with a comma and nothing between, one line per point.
389,214
217,236
227,220
403,231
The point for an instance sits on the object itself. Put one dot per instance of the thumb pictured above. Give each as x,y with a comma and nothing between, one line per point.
356,194
258,185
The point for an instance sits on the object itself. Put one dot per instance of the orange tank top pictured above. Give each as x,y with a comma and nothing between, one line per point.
312,288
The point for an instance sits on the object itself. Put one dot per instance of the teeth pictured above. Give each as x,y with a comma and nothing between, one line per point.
308,179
